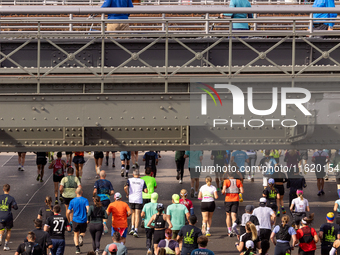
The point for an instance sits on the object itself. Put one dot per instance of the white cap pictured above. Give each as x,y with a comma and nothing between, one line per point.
263,200
250,244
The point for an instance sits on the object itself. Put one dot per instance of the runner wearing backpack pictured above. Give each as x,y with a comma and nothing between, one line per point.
320,159
267,165
30,247
58,166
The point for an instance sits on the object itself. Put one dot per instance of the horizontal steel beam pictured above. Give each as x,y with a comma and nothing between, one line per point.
81,10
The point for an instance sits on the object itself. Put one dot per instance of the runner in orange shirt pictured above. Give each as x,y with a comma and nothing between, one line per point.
231,189
120,211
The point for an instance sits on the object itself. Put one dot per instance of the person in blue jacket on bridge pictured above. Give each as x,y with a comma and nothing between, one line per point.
237,4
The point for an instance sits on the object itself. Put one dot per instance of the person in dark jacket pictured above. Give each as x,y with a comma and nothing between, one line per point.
41,237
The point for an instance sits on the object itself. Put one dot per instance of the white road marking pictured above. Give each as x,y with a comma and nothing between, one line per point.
7,161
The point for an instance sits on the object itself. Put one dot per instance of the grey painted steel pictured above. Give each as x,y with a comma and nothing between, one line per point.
78,10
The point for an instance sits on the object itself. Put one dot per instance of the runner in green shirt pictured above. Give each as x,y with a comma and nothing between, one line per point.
150,184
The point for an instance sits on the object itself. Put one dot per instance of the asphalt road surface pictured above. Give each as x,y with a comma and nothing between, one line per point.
30,196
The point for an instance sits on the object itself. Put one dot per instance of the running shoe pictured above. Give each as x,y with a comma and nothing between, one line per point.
61,199
249,178
142,225
196,194
132,231
107,163
231,234
137,166
6,248
97,176
56,202
38,177
192,193
207,233
19,168
97,252
135,234
122,171
22,169
180,181
319,193
113,165
77,250
81,241
241,198
284,210
41,180
133,166
177,176
326,178
149,252
126,175
322,192
278,214
218,189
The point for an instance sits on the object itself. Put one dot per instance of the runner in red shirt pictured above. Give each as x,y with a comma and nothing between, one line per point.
79,161
186,202
58,165
307,236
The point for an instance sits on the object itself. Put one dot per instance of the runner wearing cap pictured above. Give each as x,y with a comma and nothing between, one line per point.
329,232
116,246
187,202
266,217
231,190
242,221
207,195
177,213
283,233
134,189
272,195
202,244
189,234
299,207
250,248
120,211
148,211
157,222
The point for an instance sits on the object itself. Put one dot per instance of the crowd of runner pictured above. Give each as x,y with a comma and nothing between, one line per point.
172,229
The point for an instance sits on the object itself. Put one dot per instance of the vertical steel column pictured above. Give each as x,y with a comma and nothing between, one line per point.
230,48
102,53
207,23
311,23
255,23
166,55
71,24
163,24
293,53
38,59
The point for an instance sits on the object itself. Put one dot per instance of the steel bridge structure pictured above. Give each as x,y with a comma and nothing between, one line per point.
68,84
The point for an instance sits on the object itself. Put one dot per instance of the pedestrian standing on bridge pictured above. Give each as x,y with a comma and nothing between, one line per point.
324,25
6,217
58,165
112,16
195,161
237,4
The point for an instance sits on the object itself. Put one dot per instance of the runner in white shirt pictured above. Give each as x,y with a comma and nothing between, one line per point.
266,217
299,207
208,194
134,188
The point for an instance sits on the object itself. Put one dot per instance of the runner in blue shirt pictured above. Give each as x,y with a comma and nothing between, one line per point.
240,158
202,244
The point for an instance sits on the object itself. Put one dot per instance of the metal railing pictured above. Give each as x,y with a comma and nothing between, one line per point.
166,31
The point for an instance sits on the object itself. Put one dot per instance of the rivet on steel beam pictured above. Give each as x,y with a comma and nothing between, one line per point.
31,129
98,98
97,123
67,129
132,117
169,141
161,107
112,129
79,142
24,129
60,129
38,129
10,130
123,141
73,129
146,141
79,135
66,118
126,129
130,141
2,118
169,128
148,129
41,142
164,117
23,118
42,98
12,118
138,141
64,142
100,118
33,142
26,142
16,129
45,118
42,108
49,142
175,117
176,128
143,118
154,117
45,129
188,117
133,129
140,129
170,107
162,97
155,129
106,98
33,108
119,129
88,118
121,118
33,98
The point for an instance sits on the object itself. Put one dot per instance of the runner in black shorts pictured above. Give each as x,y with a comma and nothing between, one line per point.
98,160
280,178
21,160
68,158
41,162
135,206
58,165
113,158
